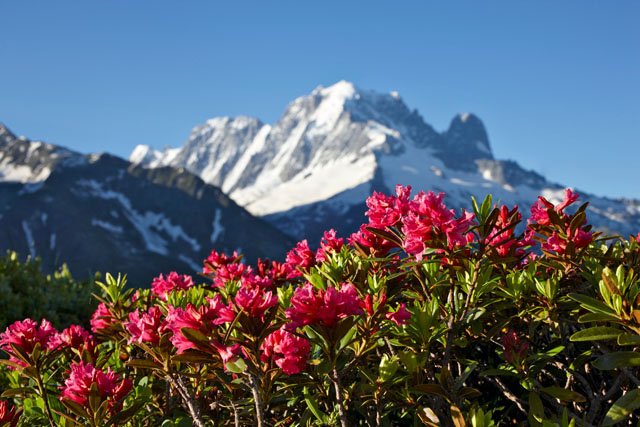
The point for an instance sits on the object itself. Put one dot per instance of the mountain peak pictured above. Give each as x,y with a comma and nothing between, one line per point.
466,142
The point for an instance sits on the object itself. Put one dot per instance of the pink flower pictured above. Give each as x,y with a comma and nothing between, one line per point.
289,351
110,386
276,271
102,319
226,353
375,245
218,259
230,273
387,211
300,257
75,337
147,327
569,198
401,316
255,301
539,211
162,286
429,220
25,335
328,245
8,414
325,307
202,319
502,238
178,319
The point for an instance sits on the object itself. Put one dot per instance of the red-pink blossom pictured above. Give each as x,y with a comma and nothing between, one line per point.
202,319
25,335
110,386
178,319
289,351
309,305
300,257
502,238
375,245
429,219
255,301
162,286
146,327
274,270
102,319
217,259
75,337
230,273
387,211
226,353
401,316
329,244
8,414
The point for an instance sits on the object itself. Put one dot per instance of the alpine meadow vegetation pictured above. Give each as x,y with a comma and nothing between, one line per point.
425,316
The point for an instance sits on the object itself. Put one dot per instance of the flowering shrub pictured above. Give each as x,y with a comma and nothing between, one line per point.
425,316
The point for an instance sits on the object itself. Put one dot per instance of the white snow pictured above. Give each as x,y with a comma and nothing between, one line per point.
29,236
112,228
218,228
52,241
154,227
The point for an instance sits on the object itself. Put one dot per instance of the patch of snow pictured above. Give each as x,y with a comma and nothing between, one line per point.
43,217
52,241
29,237
31,188
150,225
112,228
218,228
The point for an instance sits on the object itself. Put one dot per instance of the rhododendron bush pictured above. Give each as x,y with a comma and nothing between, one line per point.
425,316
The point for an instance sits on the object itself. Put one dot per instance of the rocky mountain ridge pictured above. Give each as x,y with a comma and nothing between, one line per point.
314,167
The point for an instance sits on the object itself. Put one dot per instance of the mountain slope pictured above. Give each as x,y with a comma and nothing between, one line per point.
102,213
313,168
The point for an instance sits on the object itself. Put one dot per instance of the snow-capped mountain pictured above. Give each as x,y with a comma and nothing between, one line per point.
103,213
314,167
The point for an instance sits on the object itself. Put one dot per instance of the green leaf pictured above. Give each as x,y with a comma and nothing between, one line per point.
237,366
622,408
19,391
596,333
563,394
628,339
592,304
620,359
312,404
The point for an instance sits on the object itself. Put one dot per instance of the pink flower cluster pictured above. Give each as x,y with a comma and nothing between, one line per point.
74,337
202,319
502,238
287,350
162,286
574,235
310,305
102,319
25,335
82,376
146,327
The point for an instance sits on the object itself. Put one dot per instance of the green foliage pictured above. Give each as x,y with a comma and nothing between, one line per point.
26,292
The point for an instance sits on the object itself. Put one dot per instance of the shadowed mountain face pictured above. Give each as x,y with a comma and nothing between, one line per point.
314,167
102,213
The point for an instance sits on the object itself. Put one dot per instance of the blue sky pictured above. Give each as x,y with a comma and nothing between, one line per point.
556,83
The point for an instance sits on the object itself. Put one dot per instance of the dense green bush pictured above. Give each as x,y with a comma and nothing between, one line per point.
424,317
26,292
